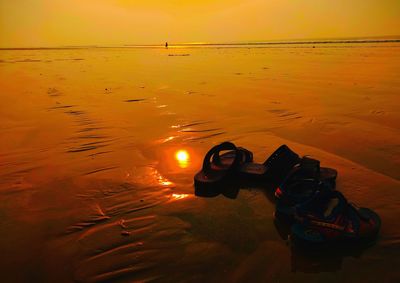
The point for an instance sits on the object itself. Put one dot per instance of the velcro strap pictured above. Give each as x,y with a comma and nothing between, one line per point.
328,225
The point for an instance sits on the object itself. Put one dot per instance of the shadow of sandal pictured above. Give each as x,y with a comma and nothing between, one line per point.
328,259
231,190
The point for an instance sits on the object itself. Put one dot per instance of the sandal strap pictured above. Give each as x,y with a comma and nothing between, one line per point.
328,225
314,222
348,225
247,156
289,192
281,162
310,167
306,173
359,212
216,150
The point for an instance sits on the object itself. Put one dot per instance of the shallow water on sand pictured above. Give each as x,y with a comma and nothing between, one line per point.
99,147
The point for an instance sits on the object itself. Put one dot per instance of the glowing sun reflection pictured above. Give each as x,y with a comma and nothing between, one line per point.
163,181
183,157
179,196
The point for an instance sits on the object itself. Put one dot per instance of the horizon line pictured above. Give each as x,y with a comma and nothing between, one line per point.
340,40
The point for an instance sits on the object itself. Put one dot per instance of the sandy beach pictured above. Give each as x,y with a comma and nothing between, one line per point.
92,190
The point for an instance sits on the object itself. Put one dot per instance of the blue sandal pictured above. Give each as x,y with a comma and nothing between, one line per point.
301,184
329,218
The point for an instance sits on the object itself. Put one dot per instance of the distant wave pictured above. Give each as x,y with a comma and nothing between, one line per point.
295,42
266,43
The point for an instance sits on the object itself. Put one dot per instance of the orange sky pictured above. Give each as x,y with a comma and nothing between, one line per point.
30,23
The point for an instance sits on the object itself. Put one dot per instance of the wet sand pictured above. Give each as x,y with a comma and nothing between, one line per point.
91,189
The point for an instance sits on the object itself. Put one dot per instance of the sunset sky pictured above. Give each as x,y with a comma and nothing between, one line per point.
32,23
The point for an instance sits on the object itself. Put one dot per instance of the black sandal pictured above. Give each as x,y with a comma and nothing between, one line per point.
282,163
219,169
227,158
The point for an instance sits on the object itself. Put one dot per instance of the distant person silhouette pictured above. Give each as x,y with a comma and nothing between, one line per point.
166,44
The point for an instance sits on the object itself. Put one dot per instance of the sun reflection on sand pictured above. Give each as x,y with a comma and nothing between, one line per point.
163,181
183,158
179,196
148,175
168,139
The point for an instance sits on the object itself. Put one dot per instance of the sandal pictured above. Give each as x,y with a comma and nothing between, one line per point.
289,195
281,163
220,169
303,182
328,218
